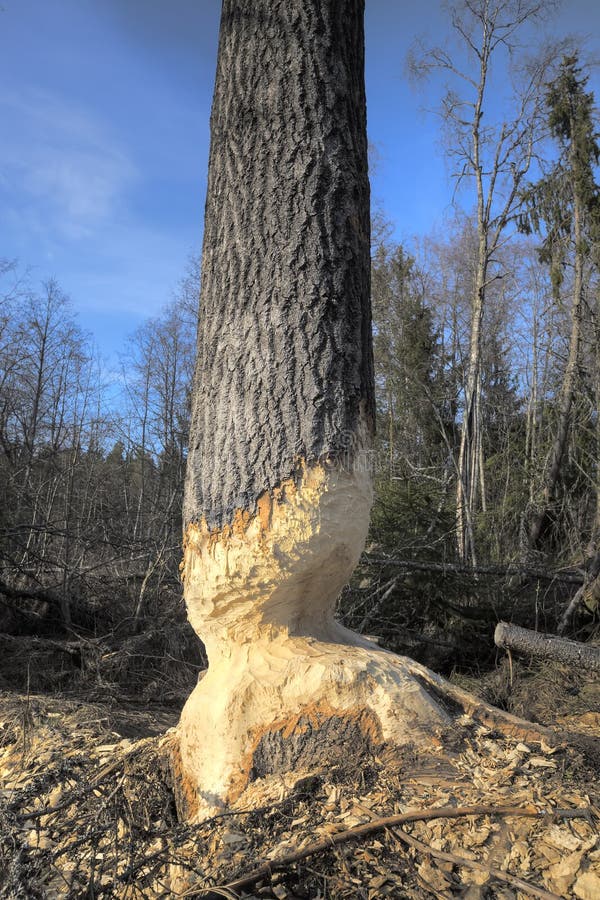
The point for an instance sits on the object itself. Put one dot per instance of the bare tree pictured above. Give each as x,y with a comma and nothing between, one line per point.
494,158
158,372
49,385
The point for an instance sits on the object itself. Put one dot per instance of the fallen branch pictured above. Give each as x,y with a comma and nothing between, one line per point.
457,569
25,642
391,587
300,790
266,869
473,864
44,595
545,646
576,602
588,594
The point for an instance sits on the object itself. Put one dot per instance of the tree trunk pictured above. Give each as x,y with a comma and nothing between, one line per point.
596,526
468,457
278,488
563,428
546,646
284,369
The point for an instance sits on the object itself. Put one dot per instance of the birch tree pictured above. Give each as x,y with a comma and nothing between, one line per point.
491,152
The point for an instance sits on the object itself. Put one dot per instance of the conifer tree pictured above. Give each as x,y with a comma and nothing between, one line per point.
564,208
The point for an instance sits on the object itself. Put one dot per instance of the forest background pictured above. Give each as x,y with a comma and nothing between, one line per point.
487,352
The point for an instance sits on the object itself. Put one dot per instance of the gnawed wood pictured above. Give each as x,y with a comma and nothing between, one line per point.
278,485
547,646
63,746
288,689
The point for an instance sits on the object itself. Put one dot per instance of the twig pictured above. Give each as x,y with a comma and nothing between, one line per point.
458,569
414,815
390,588
520,883
134,868
78,791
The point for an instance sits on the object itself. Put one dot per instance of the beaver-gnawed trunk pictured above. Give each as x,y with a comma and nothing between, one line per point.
278,489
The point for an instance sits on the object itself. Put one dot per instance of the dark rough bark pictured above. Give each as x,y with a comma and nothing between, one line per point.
546,646
315,745
284,346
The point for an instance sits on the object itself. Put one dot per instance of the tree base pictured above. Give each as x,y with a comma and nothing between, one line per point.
293,708
297,704
288,689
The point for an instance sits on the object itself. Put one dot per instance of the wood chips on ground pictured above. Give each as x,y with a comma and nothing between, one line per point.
87,810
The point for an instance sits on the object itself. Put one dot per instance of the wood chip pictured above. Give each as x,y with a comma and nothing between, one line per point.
587,886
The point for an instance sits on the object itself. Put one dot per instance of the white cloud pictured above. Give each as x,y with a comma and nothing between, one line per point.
60,164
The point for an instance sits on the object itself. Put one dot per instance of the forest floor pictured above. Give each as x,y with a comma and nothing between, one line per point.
87,809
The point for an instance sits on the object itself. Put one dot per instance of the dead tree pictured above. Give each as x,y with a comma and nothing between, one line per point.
494,157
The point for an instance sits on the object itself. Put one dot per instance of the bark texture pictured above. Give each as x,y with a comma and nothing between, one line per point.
277,499
546,646
284,348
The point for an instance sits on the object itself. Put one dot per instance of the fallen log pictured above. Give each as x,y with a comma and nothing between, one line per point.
547,646
446,568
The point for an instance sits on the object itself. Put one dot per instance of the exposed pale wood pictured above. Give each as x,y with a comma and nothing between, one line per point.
288,688
509,725
278,488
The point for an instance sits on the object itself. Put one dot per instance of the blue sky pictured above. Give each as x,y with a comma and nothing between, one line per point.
104,108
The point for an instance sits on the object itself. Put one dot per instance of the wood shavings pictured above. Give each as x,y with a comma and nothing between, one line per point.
587,886
116,827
